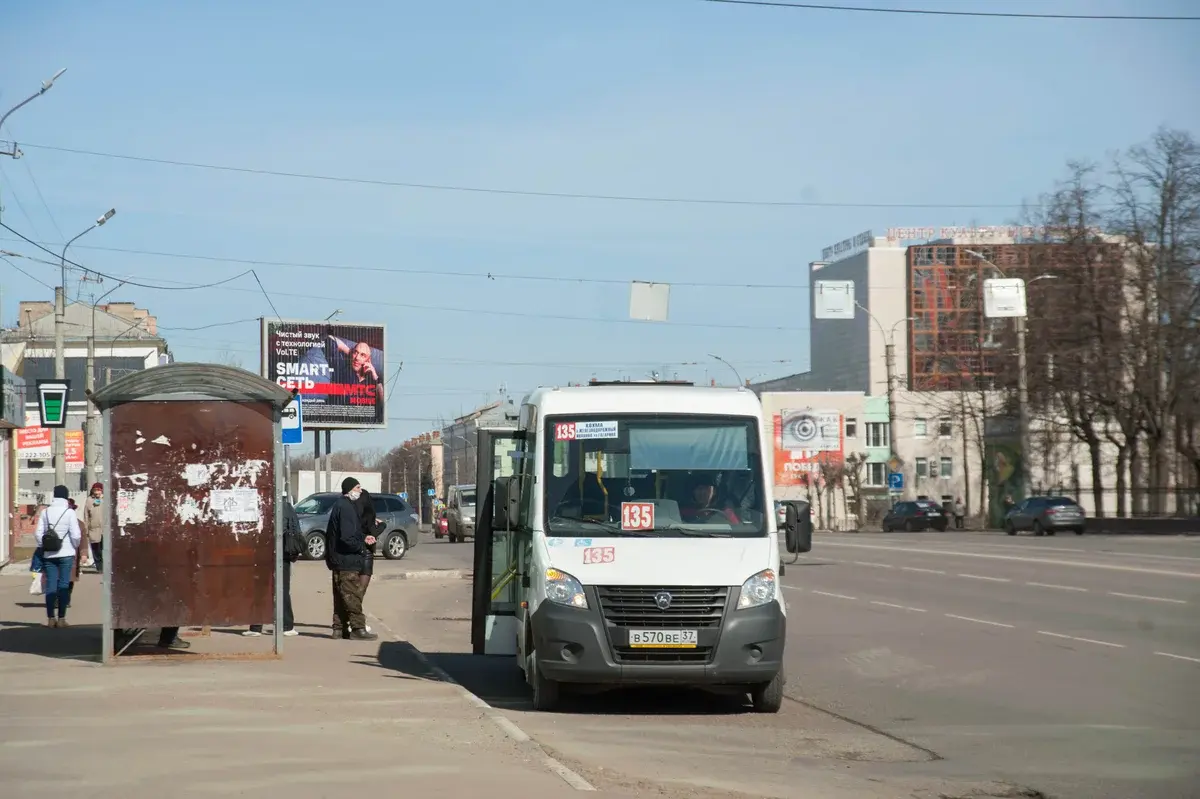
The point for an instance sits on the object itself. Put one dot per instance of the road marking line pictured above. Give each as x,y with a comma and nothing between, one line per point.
989,579
876,565
1059,587
835,596
980,621
1148,598
1084,640
899,607
1178,657
994,556
922,571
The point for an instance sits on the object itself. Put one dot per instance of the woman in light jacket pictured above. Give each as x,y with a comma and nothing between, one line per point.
58,564
93,519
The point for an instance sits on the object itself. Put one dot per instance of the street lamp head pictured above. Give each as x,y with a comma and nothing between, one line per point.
1044,277
46,84
109,214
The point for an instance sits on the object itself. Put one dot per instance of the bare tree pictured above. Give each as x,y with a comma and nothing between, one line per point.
852,474
1157,192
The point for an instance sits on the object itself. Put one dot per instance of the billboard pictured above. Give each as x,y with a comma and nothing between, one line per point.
34,441
73,450
804,439
338,369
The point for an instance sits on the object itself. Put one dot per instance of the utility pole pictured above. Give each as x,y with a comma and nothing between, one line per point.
91,437
60,369
890,367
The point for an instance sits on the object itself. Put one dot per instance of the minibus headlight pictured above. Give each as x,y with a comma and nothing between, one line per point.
563,589
760,589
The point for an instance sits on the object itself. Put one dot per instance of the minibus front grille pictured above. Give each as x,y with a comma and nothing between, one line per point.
640,606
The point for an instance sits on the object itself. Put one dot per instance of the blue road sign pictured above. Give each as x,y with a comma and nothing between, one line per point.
895,481
292,423
429,492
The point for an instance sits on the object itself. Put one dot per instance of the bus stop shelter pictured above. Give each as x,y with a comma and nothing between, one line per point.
192,466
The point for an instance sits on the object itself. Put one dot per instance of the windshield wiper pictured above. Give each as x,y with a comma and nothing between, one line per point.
678,528
606,526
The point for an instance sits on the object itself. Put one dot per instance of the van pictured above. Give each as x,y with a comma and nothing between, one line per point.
460,513
635,542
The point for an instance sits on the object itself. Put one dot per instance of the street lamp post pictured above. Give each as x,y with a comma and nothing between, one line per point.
889,352
60,310
731,368
46,85
91,444
1022,378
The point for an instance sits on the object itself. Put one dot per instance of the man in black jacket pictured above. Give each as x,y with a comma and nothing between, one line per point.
346,546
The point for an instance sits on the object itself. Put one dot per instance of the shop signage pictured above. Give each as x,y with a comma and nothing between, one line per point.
847,247
12,414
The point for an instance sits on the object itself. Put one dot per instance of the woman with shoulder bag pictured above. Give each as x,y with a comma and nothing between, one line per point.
59,537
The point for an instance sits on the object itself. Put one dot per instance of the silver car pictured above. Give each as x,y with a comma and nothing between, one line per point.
1046,516
400,520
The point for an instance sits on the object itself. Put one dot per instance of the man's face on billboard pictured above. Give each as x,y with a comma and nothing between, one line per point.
360,358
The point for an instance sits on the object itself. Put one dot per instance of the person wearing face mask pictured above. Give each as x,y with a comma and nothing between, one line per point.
346,548
93,521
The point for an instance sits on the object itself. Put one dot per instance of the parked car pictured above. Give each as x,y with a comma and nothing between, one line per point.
914,516
401,524
1045,516
460,513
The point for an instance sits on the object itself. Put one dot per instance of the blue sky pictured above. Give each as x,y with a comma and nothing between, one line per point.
674,98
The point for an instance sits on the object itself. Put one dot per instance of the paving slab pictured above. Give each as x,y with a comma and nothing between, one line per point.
328,719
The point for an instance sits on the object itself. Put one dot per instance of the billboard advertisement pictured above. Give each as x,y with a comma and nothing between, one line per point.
804,439
338,369
34,441
73,450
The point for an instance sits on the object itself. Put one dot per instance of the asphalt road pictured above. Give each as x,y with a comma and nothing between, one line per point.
920,665
1071,664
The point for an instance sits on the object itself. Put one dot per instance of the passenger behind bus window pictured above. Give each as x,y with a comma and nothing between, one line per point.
701,509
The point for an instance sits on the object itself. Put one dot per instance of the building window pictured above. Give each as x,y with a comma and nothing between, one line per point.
920,428
851,427
876,474
877,434
947,468
945,427
922,468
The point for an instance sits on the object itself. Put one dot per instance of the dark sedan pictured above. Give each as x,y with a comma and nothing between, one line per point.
914,516
1045,516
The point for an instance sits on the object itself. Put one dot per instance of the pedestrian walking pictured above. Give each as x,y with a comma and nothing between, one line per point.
345,554
93,522
293,548
960,513
59,537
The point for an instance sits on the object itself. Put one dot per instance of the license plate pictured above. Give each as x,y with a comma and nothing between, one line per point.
663,639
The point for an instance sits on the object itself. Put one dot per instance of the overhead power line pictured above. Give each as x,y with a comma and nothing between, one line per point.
559,195
426,271
929,12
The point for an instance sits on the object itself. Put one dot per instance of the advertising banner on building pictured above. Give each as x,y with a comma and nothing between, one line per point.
339,370
73,446
805,439
34,441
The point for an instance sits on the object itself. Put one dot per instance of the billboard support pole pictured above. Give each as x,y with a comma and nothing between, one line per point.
328,460
316,460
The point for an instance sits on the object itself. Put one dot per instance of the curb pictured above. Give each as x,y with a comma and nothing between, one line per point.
14,567
429,574
507,726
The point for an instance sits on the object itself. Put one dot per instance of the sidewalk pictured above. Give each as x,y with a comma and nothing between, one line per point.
331,719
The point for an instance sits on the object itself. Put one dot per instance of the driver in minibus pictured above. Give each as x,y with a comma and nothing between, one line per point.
701,510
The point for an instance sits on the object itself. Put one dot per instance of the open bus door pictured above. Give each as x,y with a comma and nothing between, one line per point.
496,584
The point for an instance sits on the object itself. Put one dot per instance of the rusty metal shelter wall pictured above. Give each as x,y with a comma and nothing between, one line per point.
192,455
193,513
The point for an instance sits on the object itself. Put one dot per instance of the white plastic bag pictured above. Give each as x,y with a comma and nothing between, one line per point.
35,587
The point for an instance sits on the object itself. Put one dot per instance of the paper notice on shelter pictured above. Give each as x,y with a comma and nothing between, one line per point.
234,505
